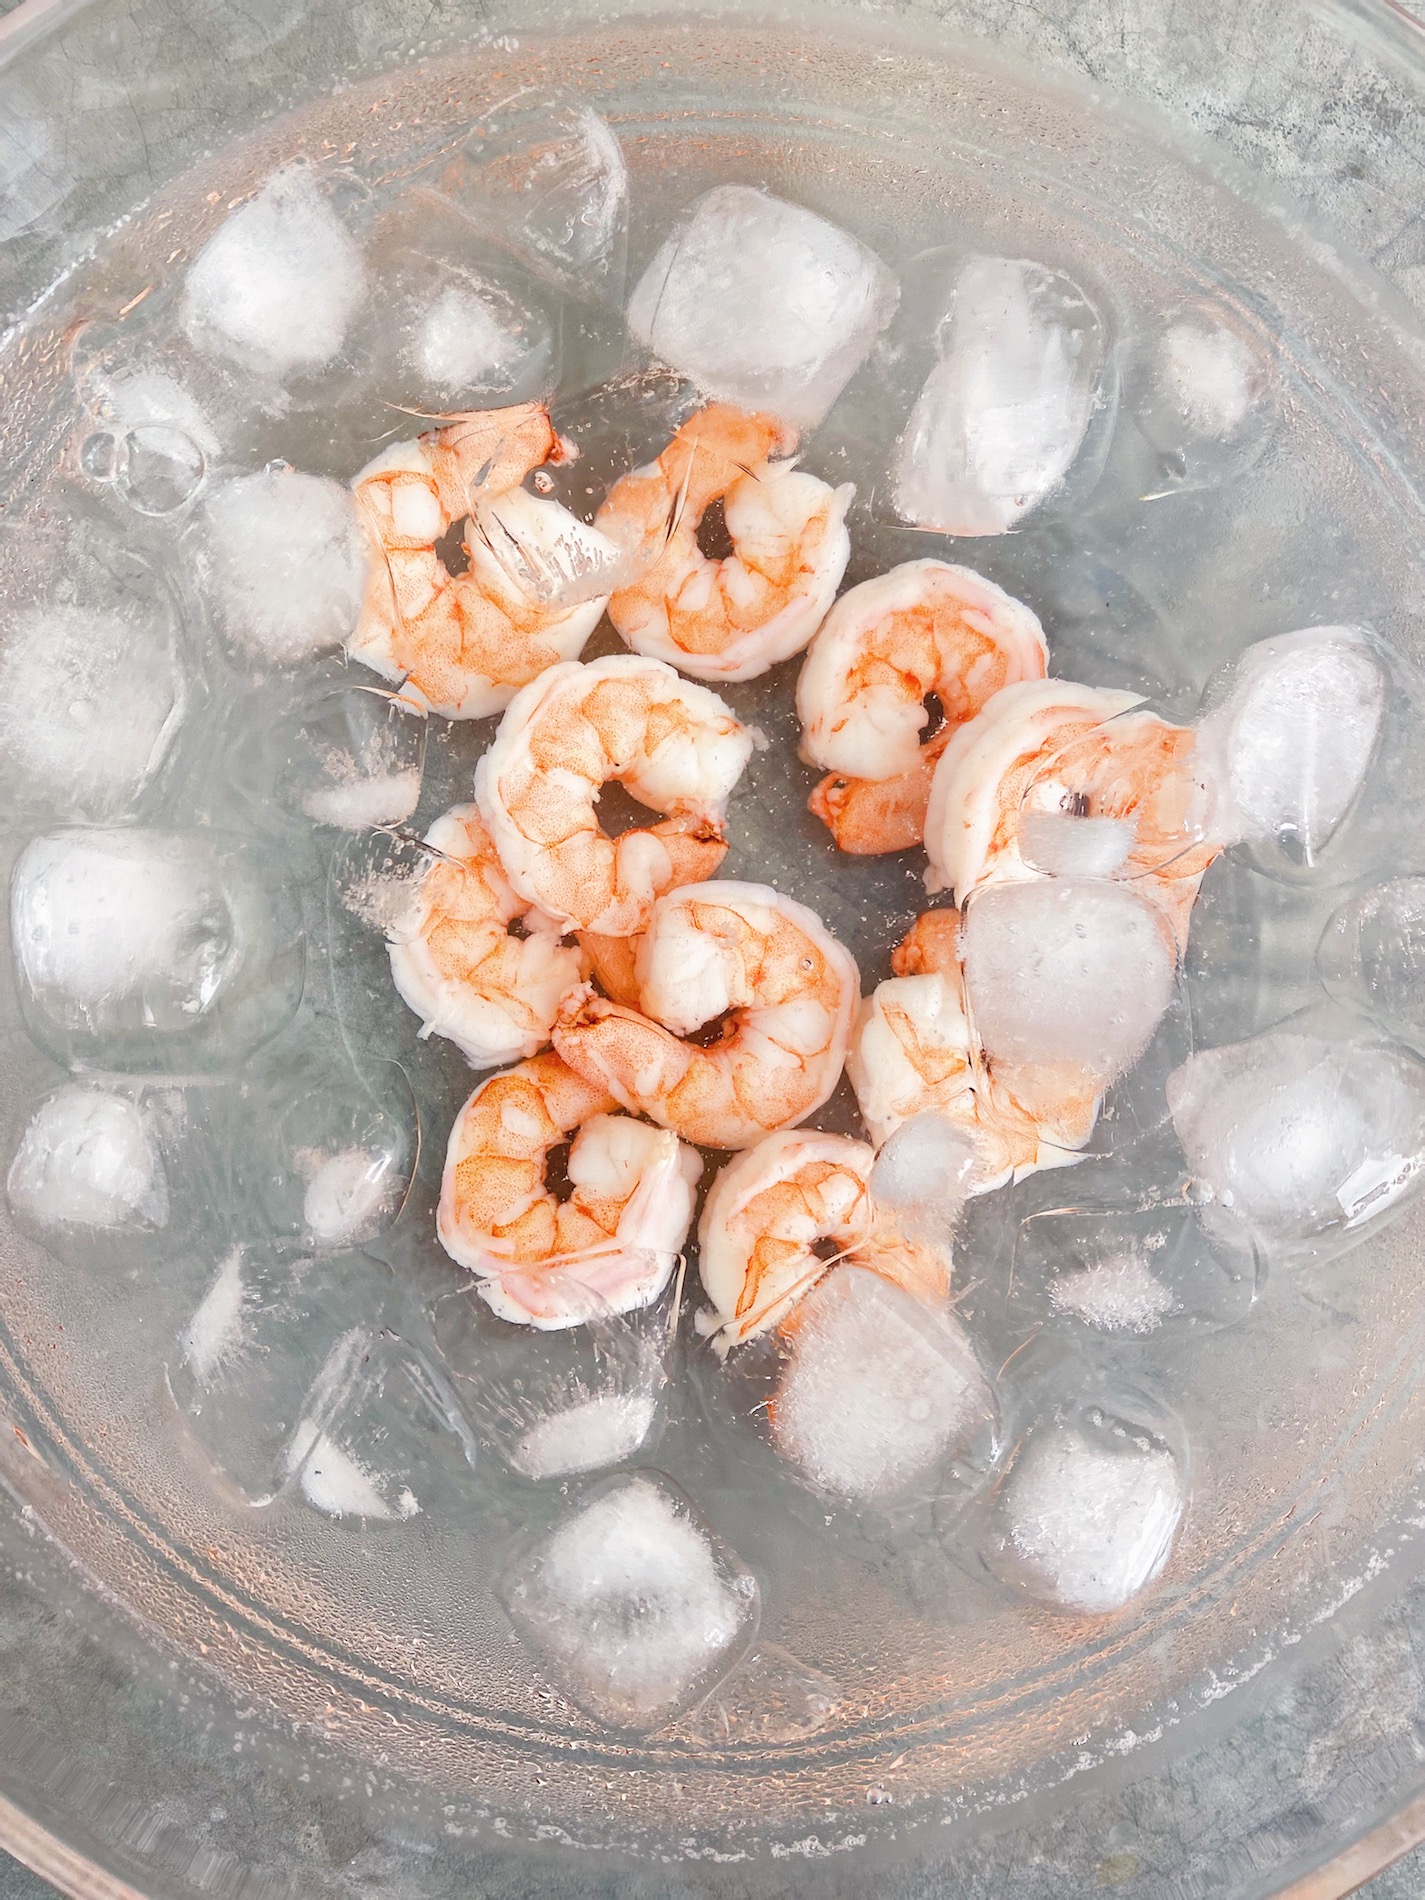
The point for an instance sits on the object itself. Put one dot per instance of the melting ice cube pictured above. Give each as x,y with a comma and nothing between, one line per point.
1087,1516
1372,956
90,1158
1292,725
763,303
286,564
277,285
1002,415
924,1170
1295,1138
152,949
1060,970
879,1390
346,756
633,1603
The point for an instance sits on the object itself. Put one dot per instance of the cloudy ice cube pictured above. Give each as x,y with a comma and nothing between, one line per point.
346,1196
390,1443
1126,1270
286,563
89,1158
277,285
1372,956
633,1603
150,948
1210,375
763,303
1291,727
1294,1138
1087,1516
545,176
879,1390
275,1346
1003,413
1063,970
566,1403
1119,1294
1063,845
91,699
462,342
923,1171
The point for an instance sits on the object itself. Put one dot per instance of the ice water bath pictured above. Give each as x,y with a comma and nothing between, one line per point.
808,1165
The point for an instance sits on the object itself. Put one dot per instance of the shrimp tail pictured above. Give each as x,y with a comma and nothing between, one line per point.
868,817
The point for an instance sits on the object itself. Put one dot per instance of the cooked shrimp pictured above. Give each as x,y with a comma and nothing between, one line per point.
610,1247
733,618
771,1207
924,630
1051,748
674,745
463,643
786,992
913,1053
458,964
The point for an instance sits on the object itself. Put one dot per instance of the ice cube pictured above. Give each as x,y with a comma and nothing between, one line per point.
879,1392
1087,1516
1062,970
633,1603
1296,1139
277,285
464,342
275,1344
1292,726
286,564
1126,1270
156,445
1210,376
320,1154
566,1403
763,303
545,176
1063,845
153,949
770,1697
1003,413
549,554
346,756
1372,956
90,1158
923,1171
382,1438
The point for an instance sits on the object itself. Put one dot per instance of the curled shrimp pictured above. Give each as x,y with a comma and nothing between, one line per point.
457,961
774,1205
914,1053
1053,750
733,618
610,1247
924,630
463,643
675,746
767,969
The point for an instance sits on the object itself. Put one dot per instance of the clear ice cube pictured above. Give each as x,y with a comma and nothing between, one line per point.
1126,1272
633,1603
545,176
1205,396
1299,1141
150,949
321,1154
557,1405
1002,415
769,1698
284,562
879,1393
1087,1517
276,287
1291,728
762,303
1372,957
92,691
1063,970
275,1344
382,1438
346,756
